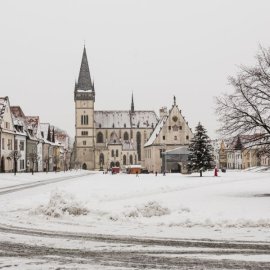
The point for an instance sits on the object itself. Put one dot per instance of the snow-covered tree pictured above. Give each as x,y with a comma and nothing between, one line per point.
200,157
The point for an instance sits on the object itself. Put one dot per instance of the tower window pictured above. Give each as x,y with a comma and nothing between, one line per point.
84,142
84,119
84,133
163,138
187,137
175,138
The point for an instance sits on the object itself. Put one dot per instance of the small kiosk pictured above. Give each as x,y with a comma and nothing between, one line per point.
134,169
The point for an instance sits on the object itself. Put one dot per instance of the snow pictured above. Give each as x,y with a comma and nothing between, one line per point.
156,131
235,205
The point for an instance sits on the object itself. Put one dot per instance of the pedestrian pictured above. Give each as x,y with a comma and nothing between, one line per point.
215,171
156,173
164,173
137,175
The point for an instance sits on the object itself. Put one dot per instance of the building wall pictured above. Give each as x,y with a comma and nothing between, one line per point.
21,146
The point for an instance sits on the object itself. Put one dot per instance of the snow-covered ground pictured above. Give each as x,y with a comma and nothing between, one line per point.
235,205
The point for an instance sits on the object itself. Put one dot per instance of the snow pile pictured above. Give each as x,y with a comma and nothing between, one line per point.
61,204
148,210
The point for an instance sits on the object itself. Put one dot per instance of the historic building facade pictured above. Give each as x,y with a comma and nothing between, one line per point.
104,139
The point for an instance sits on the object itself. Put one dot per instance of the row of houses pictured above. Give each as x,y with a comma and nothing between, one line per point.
28,145
236,153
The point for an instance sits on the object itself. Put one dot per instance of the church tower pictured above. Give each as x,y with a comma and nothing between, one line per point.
84,97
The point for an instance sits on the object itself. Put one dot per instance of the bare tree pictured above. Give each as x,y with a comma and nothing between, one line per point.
247,110
15,155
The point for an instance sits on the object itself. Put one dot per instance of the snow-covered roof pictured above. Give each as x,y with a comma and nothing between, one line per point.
125,119
3,104
156,131
182,150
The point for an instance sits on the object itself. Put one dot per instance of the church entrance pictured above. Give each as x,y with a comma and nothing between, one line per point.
84,166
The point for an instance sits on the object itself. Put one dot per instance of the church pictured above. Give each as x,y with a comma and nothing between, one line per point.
106,139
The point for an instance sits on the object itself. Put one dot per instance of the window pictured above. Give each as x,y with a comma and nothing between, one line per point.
99,125
125,125
84,142
116,153
9,144
131,159
163,138
139,143
124,160
180,127
112,153
16,145
160,153
84,133
175,138
187,137
126,137
3,143
99,137
84,119
175,128
170,127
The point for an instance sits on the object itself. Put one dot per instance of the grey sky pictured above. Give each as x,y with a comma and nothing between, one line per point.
156,49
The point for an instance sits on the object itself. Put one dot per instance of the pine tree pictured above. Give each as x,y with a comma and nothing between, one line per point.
200,157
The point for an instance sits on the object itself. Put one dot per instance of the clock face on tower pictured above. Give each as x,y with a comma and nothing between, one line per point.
175,118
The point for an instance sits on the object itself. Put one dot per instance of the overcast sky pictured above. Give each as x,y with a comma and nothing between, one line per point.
157,49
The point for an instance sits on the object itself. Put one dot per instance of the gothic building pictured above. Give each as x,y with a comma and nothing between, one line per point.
105,139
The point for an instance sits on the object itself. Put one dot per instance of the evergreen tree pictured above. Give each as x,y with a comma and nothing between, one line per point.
200,157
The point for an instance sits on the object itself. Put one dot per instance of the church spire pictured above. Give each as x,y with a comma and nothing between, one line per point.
132,104
84,81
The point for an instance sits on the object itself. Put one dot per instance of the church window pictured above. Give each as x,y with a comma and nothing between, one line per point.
112,153
84,133
113,125
163,138
99,137
84,142
175,138
116,153
124,160
170,127
180,127
125,125
138,140
131,159
187,137
99,125
126,137
84,119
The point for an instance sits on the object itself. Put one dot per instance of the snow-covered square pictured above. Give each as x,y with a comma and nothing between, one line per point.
84,209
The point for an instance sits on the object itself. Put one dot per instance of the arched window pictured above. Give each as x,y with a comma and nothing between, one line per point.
112,164
117,164
124,160
116,153
126,137
100,138
130,159
138,140
101,159
112,153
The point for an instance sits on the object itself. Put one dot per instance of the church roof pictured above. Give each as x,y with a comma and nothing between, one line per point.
125,119
84,81
156,131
